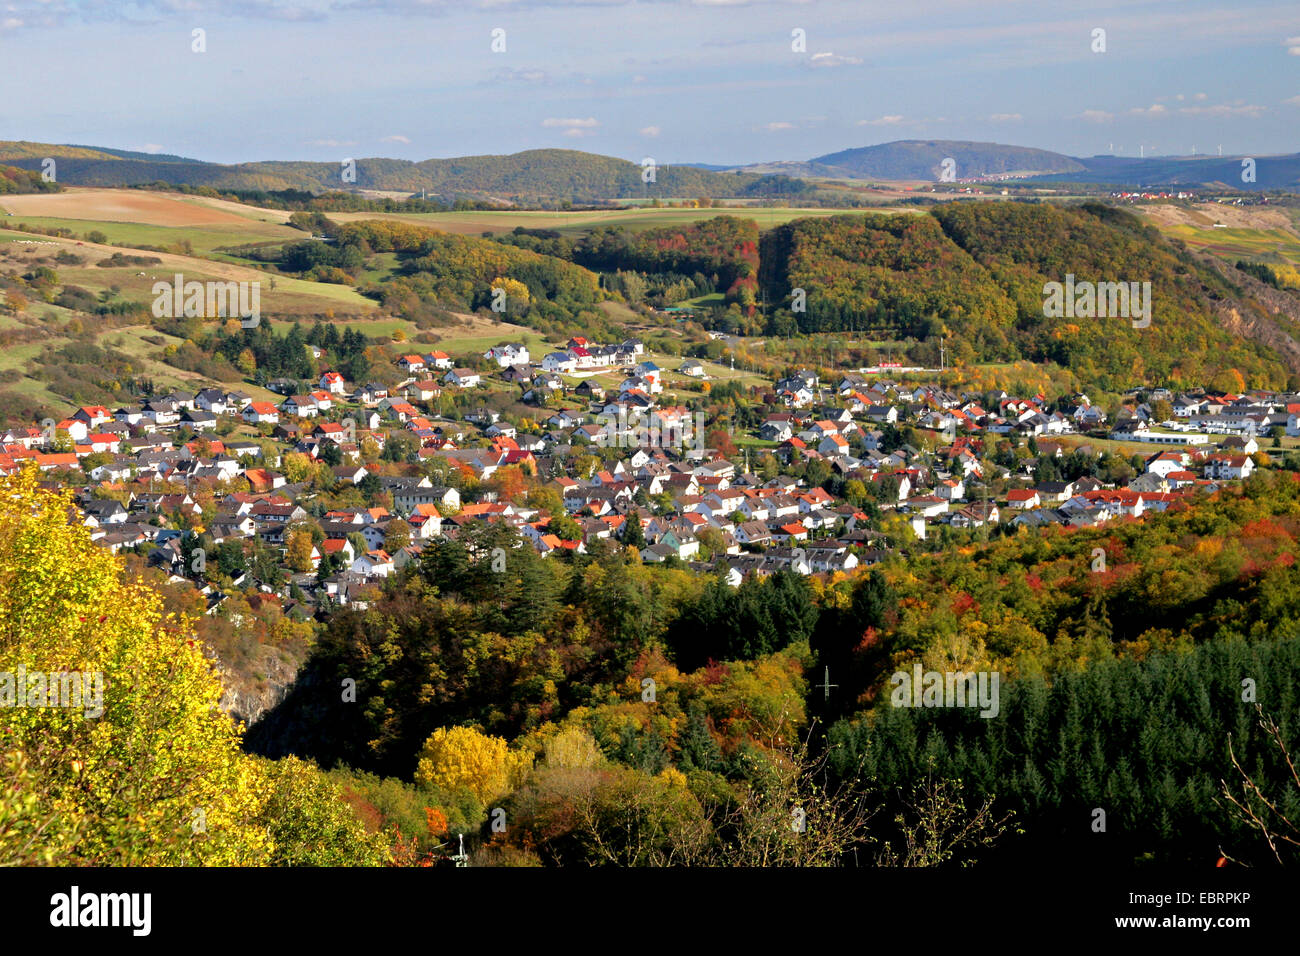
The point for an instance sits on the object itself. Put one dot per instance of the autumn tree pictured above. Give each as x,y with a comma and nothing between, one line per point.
464,757
397,535
298,547
139,767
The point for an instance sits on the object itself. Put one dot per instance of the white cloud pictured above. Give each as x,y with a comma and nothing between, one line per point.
395,138
891,120
1154,109
820,60
775,127
146,148
1096,116
553,122
1006,118
521,76
650,131
1293,46
1235,109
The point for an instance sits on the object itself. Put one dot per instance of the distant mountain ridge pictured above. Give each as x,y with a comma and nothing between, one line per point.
557,174
923,160
565,175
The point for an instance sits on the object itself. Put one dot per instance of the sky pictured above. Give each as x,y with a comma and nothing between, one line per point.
709,81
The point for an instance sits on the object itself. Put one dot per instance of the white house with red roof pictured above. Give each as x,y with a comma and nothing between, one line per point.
333,383
257,413
1023,499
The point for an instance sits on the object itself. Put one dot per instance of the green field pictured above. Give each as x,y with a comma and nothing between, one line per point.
709,301
290,294
204,240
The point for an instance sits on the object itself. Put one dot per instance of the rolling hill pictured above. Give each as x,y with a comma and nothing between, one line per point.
977,272
563,175
921,159
1271,172
558,175
904,160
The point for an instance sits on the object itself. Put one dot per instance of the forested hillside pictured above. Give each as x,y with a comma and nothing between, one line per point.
14,180
978,271
1118,677
558,175
922,159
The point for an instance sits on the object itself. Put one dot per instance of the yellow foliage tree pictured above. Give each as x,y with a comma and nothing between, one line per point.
297,546
136,766
572,748
464,757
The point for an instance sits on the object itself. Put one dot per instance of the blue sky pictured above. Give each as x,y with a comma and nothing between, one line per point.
712,81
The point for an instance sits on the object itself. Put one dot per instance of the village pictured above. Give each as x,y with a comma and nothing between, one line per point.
339,485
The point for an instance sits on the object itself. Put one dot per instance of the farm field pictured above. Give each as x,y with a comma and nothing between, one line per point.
289,295
1231,232
136,217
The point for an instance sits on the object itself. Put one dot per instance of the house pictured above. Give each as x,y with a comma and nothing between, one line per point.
162,412
92,415
1165,462
440,360
99,513
559,362
508,355
950,489
100,443
300,406
197,419
212,400
257,413
651,373
333,383
132,415
339,546
693,367
423,391
411,363
518,375
462,378
753,533
1023,499
777,428
350,474
1229,466
976,515
1239,445
1055,492
833,445
373,564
